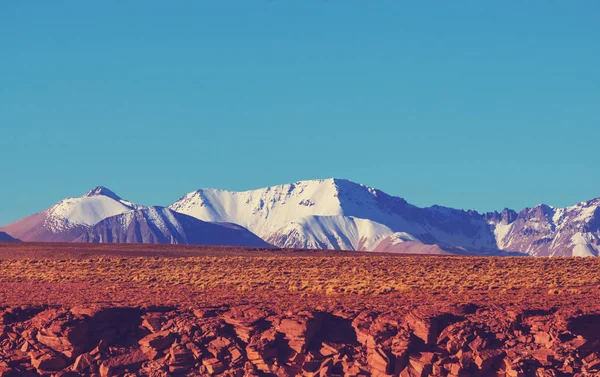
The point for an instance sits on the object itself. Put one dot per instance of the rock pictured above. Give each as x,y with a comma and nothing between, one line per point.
181,359
424,327
213,366
379,362
156,342
246,321
237,356
25,347
400,347
257,360
62,331
453,368
410,371
70,342
477,344
152,322
218,346
352,369
128,359
204,313
465,359
485,359
5,369
542,338
321,343
106,370
422,362
194,349
544,356
47,361
327,350
298,331
592,361
83,362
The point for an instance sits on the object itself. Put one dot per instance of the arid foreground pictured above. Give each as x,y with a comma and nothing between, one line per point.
90,310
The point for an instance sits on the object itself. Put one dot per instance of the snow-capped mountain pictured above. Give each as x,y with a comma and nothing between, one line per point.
549,231
162,225
69,218
336,213
7,238
318,214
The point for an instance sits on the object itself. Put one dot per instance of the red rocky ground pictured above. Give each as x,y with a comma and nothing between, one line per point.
106,310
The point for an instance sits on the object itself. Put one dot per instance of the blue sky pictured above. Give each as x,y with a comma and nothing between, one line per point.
470,104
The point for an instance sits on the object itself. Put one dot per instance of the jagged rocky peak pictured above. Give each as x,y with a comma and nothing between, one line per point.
506,217
101,190
541,212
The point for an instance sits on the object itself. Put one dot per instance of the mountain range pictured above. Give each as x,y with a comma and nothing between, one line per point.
317,214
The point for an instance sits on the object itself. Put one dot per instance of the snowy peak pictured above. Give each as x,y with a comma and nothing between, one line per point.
325,213
328,213
101,190
86,210
67,219
263,210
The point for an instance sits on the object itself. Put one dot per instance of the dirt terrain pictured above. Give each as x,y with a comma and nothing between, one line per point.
148,310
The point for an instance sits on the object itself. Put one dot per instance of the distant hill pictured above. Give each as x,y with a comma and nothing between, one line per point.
4,237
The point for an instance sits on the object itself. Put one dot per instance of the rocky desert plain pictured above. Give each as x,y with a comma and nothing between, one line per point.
163,310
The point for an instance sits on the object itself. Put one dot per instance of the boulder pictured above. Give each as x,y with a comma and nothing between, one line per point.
153,343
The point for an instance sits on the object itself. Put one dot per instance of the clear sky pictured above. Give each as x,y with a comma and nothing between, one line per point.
469,104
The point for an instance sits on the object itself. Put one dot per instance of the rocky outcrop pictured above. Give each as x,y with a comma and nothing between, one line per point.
248,341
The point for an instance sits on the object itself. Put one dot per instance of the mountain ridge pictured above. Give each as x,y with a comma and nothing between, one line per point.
266,211
341,214
163,226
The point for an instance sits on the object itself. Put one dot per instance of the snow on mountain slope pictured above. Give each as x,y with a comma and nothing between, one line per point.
68,218
330,232
550,231
334,213
262,211
161,225
276,213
